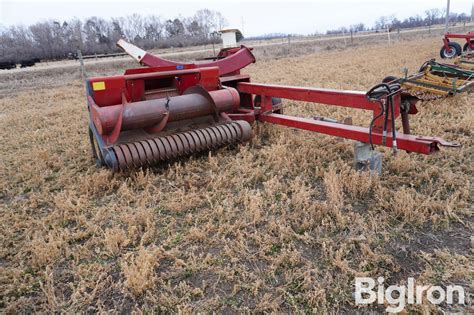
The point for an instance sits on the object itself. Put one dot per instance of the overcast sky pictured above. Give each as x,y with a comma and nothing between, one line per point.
259,17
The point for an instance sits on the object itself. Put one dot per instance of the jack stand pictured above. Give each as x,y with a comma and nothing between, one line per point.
366,159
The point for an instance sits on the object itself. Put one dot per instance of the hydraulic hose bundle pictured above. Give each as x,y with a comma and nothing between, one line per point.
383,94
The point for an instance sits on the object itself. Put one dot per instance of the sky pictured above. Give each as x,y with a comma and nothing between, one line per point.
253,17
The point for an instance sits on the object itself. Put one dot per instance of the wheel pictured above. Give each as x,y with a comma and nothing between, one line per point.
466,46
390,79
458,48
276,104
96,153
424,66
454,50
393,82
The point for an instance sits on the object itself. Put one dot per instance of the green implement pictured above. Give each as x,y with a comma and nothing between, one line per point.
439,79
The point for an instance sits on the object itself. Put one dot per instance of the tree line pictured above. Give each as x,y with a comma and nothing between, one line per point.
61,39
430,17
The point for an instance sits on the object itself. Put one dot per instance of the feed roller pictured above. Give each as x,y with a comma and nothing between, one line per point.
150,151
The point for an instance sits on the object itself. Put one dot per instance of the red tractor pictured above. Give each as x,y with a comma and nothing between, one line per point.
452,49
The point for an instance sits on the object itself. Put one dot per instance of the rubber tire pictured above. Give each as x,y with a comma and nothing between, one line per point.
275,101
424,65
394,85
96,153
453,45
390,78
466,47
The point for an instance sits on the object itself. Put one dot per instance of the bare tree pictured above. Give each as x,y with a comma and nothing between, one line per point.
153,28
210,21
135,28
220,21
432,15
360,27
381,22
43,37
193,28
175,28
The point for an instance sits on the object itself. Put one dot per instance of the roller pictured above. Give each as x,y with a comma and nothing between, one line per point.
153,150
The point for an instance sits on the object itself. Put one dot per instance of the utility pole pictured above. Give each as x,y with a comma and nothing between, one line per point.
447,18
472,13
388,34
81,60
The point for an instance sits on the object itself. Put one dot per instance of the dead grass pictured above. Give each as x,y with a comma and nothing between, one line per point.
283,224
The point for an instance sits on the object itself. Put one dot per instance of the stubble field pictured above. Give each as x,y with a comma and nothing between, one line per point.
282,224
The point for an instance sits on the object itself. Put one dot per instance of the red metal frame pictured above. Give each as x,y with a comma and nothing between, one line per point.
130,88
468,37
351,99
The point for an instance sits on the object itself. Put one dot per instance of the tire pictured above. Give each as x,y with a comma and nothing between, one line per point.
96,153
466,46
455,50
393,82
389,79
424,66
276,103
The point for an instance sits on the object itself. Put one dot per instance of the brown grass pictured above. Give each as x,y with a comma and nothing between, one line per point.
283,224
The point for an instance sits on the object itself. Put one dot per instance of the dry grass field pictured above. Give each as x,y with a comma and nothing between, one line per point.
283,224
